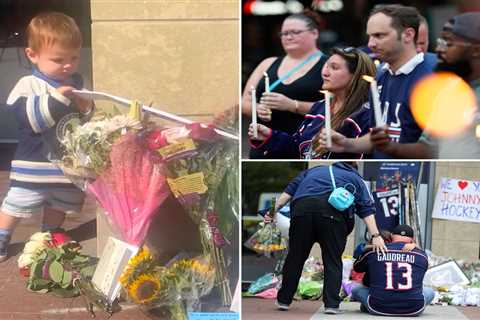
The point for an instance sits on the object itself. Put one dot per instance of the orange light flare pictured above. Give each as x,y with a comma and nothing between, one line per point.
443,104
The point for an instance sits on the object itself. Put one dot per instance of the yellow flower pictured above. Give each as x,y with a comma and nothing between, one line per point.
144,289
142,259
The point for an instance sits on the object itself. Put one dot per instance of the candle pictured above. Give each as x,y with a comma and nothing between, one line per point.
328,118
376,100
254,112
267,82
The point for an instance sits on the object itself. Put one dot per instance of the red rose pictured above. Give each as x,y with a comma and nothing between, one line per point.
154,140
25,272
59,238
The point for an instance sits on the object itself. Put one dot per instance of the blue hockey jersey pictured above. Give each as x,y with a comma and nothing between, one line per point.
281,145
395,90
42,115
396,279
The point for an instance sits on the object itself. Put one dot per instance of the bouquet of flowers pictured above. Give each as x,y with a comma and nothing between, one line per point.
177,286
52,262
196,159
268,238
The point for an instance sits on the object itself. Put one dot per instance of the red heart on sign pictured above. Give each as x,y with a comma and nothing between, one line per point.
462,184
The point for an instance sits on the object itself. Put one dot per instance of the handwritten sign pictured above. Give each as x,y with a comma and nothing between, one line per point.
457,199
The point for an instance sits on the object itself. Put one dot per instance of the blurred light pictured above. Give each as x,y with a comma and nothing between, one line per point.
477,131
443,104
262,8
327,5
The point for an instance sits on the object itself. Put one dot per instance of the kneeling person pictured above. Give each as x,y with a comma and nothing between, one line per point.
395,278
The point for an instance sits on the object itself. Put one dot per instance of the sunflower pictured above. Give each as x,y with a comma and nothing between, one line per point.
144,289
142,262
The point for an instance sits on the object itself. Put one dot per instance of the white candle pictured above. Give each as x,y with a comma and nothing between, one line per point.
376,100
254,112
328,117
267,82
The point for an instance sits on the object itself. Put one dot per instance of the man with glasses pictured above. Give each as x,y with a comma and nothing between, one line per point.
458,51
392,31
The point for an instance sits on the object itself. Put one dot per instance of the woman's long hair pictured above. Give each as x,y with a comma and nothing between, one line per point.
359,64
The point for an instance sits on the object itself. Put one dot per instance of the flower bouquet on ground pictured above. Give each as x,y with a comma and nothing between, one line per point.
177,287
268,239
52,262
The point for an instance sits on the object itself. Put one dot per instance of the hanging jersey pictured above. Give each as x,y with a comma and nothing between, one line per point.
387,208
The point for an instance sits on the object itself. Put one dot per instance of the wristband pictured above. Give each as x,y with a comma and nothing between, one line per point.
296,106
375,235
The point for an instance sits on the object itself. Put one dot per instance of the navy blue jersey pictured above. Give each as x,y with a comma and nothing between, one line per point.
281,145
316,181
396,279
395,90
43,116
387,204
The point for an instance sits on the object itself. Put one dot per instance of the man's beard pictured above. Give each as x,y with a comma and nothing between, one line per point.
461,68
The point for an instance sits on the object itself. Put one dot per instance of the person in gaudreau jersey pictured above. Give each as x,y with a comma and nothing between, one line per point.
395,278
44,107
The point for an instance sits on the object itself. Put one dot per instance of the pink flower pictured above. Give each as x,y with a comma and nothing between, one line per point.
59,238
199,132
154,140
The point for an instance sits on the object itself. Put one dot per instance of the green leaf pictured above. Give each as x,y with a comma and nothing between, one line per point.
67,279
56,271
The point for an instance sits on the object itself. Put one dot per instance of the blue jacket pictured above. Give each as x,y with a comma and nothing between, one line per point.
316,181
281,145
395,91
43,116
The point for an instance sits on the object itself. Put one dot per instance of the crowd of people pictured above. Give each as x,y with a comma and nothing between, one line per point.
292,115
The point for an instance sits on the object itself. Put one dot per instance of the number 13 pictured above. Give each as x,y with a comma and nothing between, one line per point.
407,275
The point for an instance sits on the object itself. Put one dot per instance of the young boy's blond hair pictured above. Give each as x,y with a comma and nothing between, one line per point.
49,28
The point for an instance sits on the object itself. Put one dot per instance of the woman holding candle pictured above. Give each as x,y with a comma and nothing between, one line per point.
350,112
295,79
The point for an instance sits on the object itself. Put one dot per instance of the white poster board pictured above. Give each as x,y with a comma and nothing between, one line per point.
458,200
114,259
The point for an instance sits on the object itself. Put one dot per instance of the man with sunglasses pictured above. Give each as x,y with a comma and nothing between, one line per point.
458,51
392,32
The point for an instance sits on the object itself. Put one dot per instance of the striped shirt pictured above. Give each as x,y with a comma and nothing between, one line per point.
43,115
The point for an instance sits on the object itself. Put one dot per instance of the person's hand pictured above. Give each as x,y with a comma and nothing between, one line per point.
268,219
380,139
379,244
66,91
263,132
82,105
264,113
409,247
319,142
277,101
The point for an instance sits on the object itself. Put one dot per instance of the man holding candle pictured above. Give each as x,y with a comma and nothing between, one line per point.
392,31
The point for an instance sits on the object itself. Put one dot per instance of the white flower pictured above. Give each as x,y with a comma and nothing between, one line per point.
34,246
41,236
25,260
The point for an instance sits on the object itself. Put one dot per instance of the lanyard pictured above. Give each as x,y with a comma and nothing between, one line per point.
294,69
